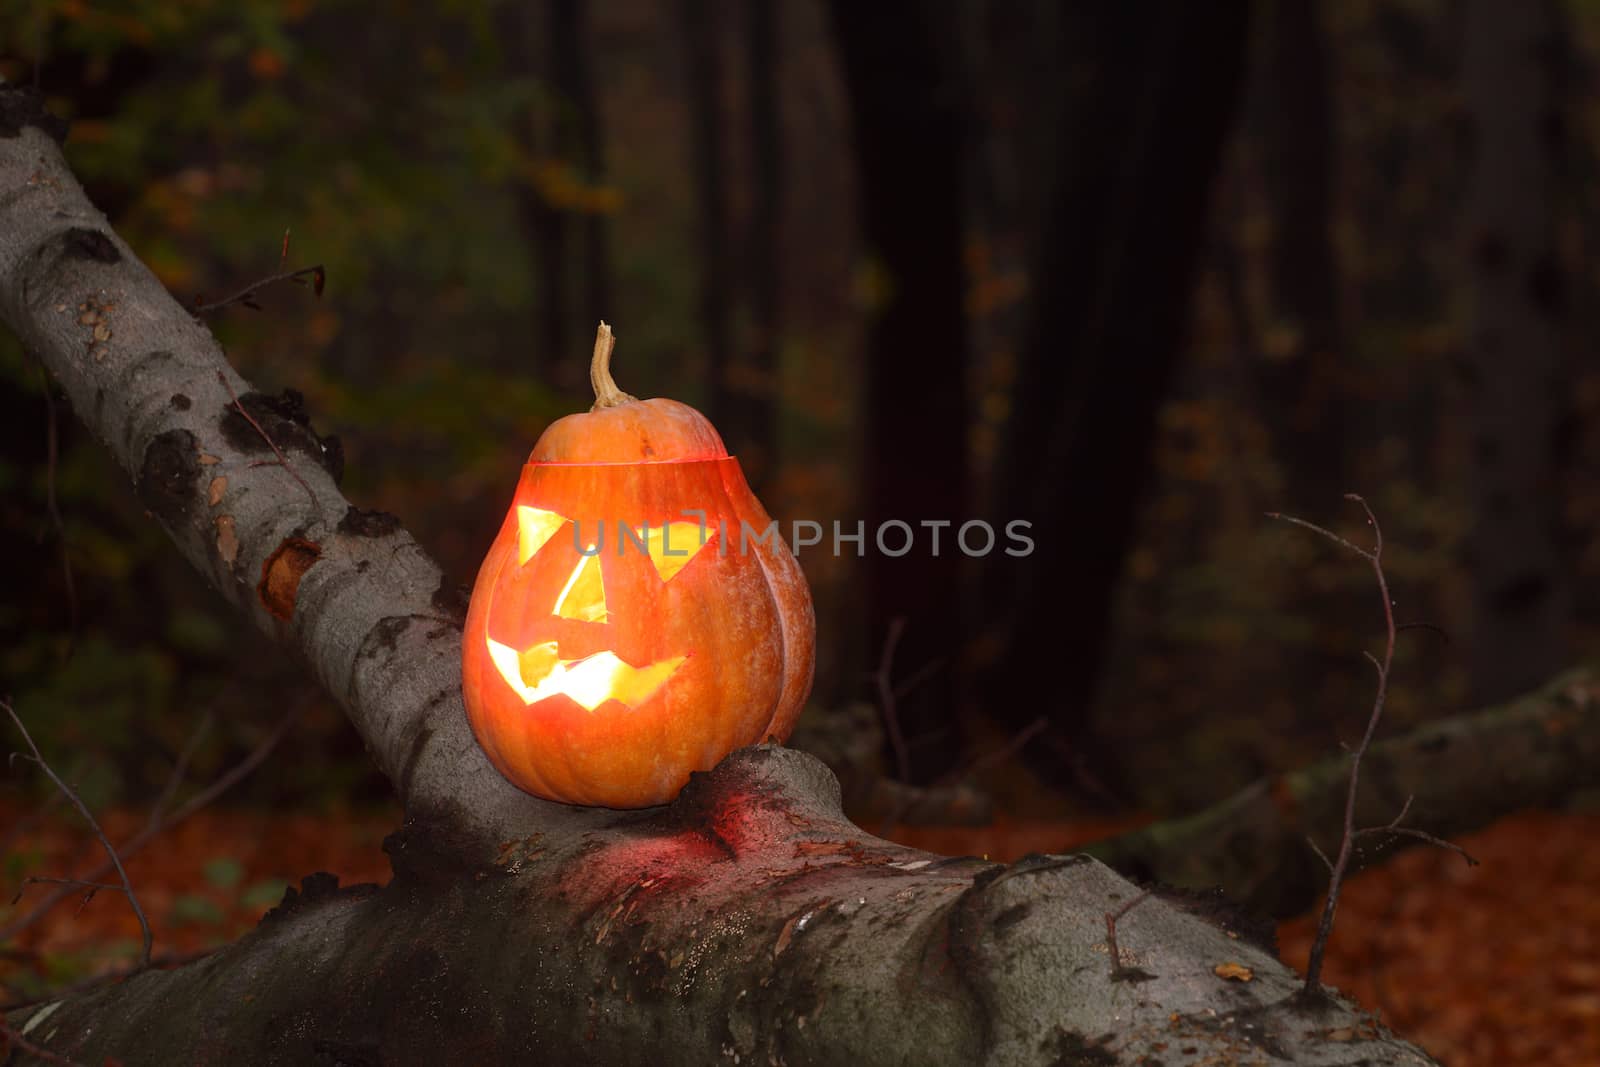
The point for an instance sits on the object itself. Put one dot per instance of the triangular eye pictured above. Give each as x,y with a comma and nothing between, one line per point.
584,596
535,526
672,545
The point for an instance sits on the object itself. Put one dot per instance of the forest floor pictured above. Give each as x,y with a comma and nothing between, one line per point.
1486,966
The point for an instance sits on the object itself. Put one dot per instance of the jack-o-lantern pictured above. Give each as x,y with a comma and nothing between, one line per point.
632,622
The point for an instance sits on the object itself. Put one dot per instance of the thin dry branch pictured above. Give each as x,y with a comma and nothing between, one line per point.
76,883
160,822
1339,867
1013,745
282,461
1321,855
126,888
888,698
1393,826
246,296
174,780
955,783
890,693
1118,971
180,766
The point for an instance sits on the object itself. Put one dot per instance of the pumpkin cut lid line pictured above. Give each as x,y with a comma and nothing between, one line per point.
709,457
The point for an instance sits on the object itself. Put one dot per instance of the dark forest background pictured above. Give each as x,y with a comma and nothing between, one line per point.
1136,273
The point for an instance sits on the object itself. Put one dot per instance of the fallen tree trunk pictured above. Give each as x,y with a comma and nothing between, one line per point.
746,922
1459,774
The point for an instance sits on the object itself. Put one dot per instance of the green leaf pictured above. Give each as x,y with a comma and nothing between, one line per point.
196,910
224,872
19,862
264,894
197,632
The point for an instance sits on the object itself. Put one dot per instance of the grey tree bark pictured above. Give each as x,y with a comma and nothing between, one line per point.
1513,367
746,922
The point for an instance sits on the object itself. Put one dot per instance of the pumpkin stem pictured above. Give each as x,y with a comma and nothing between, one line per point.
606,393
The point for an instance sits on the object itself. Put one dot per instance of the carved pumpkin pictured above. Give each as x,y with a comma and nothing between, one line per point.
616,641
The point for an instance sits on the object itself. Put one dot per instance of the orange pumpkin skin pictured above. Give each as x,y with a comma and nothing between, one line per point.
607,679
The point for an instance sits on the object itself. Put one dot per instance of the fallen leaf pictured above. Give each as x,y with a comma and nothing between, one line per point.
227,540
1238,972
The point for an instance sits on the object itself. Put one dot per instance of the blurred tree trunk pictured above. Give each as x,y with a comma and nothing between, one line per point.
755,422
1513,371
570,52
1252,845
566,137
906,107
1149,96
1010,58
1304,394
703,74
1298,363
542,221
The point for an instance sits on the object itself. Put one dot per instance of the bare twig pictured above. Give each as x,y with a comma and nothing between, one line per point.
246,296
1112,918
1321,855
953,779
1437,631
883,678
76,883
1422,835
1405,809
1393,827
174,780
283,461
1330,535
180,766
126,887
917,677
1339,868
999,755
1341,862
233,776
889,697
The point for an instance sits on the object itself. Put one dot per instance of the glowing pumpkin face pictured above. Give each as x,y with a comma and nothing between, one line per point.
627,627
